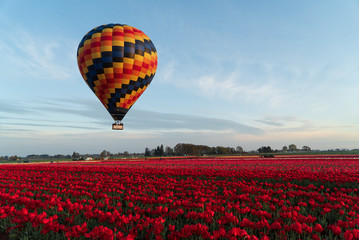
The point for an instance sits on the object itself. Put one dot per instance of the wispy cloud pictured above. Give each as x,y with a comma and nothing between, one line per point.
41,125
35,55
142,119
13,108
294,124
245,81
93,116
278,121
232,88
166,70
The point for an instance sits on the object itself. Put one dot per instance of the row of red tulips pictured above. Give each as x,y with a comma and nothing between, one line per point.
212,198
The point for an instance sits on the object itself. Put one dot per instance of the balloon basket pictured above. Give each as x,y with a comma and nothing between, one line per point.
117,126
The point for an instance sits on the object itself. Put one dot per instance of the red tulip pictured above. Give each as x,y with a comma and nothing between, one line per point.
336,230
318,228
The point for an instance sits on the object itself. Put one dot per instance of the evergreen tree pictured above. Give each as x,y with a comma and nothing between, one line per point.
147,152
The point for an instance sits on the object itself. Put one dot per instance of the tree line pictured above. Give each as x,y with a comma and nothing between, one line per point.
34,157
182,149
289,148
105,155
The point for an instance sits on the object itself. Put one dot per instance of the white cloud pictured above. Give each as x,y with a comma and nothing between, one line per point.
246,80
232,87
36,56
165,71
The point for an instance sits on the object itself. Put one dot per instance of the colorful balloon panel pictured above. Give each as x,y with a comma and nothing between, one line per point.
118,62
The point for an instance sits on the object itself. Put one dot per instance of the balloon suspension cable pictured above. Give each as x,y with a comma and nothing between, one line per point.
117,125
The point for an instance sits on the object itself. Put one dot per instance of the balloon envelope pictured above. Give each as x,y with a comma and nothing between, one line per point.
118,62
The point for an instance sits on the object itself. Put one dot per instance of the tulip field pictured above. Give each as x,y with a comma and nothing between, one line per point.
243,197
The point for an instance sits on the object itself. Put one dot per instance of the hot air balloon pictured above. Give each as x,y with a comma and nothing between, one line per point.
117,62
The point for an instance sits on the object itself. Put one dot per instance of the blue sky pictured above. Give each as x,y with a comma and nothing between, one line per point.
230,73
